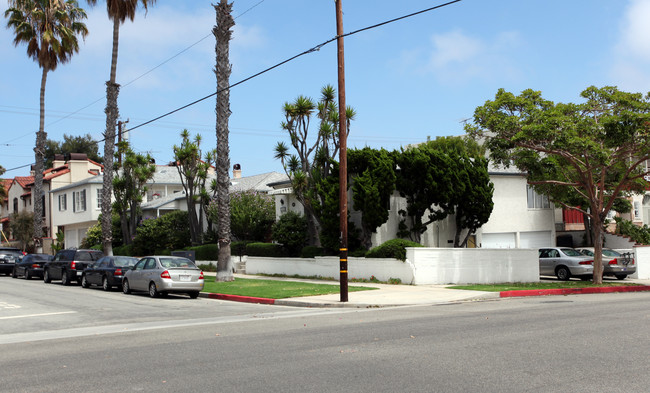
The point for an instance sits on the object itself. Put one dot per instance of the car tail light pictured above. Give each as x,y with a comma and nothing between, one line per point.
613,262
36,265
201,276
585,262
165,274
73,265
118,272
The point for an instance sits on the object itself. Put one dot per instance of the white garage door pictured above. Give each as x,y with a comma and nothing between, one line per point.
498,240
535,239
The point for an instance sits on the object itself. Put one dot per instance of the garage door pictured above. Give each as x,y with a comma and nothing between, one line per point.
498,240
535,239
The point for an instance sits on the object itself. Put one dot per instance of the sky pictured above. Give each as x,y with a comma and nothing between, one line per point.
414,79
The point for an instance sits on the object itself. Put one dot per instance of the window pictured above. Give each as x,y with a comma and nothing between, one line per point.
99,197
63,202
79,201
43,204
537,201
637,210
15,205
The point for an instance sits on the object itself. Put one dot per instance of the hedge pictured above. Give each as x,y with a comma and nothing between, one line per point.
395,248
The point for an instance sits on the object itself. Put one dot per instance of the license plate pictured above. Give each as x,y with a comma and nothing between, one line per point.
184,277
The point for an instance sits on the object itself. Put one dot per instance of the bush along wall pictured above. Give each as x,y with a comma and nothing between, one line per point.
395,248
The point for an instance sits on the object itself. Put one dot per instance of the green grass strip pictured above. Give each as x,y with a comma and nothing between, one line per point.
538,285
273,289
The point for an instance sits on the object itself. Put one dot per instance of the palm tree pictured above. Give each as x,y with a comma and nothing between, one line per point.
118,12
50,28
223,33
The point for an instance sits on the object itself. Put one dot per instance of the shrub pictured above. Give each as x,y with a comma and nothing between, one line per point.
640,235
395,248
123,250
265,250
251,215
162,234
206,252
311,251
360,253
209,267
291,231
239,247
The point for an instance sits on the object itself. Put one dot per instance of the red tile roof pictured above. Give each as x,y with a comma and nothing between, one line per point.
24,181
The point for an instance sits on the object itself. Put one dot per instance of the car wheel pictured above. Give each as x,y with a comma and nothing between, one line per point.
125,287
105,284
84,282
14,274
46,277
621,276
563,273
153,291
193,295
65,280
28,274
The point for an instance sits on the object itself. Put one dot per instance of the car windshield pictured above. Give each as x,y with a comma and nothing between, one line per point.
125,261
177,263
611,253
16,254
571,252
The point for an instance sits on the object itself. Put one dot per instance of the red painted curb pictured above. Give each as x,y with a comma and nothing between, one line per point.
573,291
237,298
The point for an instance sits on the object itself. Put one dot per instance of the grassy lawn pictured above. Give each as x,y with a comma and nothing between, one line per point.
539,285
273,289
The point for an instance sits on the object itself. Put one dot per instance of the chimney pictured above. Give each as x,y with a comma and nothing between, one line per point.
236,171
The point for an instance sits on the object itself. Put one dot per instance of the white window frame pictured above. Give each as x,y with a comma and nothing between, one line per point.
79,201
535,200
99,198
63,202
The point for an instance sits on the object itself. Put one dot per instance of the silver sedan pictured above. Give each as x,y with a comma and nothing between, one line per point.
160,275
564,263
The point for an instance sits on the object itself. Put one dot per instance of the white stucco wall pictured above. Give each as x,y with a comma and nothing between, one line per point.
642,259
423,266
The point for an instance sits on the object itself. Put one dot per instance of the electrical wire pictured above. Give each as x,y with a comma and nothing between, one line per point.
308,51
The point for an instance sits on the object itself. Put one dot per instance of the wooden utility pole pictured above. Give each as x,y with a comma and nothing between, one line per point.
343,157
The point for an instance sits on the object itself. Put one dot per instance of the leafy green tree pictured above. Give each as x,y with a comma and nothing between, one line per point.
22,228
163,234
50,29
193,168
291,231
313,158
72,144
593,151
252,214
373,181
3,191
132,172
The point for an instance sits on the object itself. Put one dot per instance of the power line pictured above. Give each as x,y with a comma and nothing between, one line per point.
311,50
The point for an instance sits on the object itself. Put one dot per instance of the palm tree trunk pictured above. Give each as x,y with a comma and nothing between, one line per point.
112,113
39,155
223,33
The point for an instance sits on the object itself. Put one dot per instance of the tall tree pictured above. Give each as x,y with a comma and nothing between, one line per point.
223,34
132,172
193,168
594,151
3,191
72,144
118,12
313,158
50,29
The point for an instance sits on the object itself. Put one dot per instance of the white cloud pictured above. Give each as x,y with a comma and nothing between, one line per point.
632,51
456,57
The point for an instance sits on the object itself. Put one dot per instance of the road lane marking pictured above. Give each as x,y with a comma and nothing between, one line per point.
39,315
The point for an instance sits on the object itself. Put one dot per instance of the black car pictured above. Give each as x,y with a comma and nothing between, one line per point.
69,264
31,266
8,257
107,272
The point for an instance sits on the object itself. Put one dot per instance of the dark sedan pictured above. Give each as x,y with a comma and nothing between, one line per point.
31,266
107,272
8,257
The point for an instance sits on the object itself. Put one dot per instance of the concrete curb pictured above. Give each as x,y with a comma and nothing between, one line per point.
573,291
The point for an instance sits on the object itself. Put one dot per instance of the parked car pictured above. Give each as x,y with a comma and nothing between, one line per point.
614,263
8,257
69,264
31,265
107,272
160,275
565,262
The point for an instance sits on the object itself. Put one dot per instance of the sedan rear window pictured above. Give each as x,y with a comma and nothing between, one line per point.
612,253
181,263
571,252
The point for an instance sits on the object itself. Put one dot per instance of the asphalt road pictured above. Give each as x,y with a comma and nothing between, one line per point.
580,343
